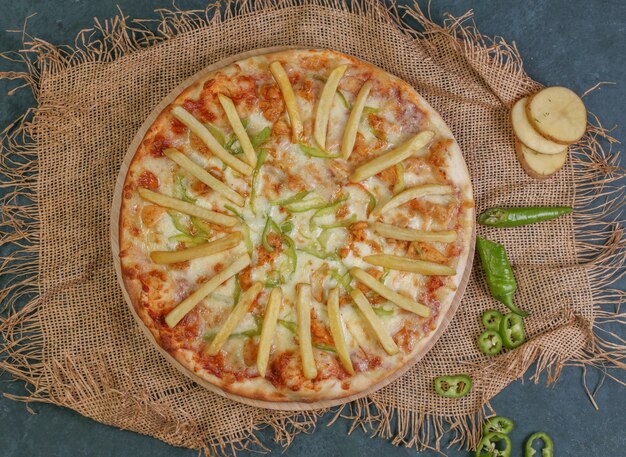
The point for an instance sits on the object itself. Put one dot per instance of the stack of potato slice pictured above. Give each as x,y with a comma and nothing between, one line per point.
544,125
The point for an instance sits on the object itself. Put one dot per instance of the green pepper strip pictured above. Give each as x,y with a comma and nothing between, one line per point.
512,331
216,132
499,424
329,208
370,110
291,252
343,280
399,184
456,386
293,328
548,445
181,190
286,227
319,254
343,99
261,137
202,229
307,205
339,224
291,199
515,217
188,239
487,446
316,152
384,275
323,239
178,225
383,311
274,279
499,273
255,174
491,319
245,228
237,290
266,229
490,342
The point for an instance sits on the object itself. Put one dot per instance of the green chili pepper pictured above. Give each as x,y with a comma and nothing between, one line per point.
303,206
370,110
216,132
498,424
237,290
343,280
491,319
498,271
512,331
456,386
181,190
339,224
255,174
312,151
286,227
178,225
514,217
290,252
488,446
188,239
291,199
343,99
261,137
291,326
319,254
548,445
490,342
266,229
383,310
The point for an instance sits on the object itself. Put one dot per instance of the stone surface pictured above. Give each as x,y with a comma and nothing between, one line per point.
575,43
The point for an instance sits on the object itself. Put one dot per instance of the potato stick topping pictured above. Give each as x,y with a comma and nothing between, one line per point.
395,262
374,321
389,159
409,234
325,104
175,315
290,100
237,314
238,128
414,192
201,174
209,140
269,328
336,330
303,312
222,244
352,127
186,208
384,291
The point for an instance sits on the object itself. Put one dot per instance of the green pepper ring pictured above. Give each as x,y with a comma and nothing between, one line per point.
490,342
488,442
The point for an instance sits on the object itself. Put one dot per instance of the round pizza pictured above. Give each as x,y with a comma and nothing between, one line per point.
295,226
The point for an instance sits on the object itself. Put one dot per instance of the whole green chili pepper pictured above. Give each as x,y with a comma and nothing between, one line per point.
499,424
514,217
490,342
491,319
548,445
488,446
456,386
500,278
512,331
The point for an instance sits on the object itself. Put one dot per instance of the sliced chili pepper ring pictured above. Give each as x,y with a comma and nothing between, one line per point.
456,386
512,331
489,446
499,424
490,342
491,319
548,445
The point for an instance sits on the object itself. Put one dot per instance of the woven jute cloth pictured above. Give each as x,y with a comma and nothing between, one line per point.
66,330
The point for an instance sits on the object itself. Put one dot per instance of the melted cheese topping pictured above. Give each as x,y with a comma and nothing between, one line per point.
393,114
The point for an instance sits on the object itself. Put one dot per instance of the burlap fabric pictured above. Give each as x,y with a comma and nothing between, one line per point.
75,342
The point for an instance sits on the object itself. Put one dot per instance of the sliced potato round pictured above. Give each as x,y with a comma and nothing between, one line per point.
527,134
537,165
558,114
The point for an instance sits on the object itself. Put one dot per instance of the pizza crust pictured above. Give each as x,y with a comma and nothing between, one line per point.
261,389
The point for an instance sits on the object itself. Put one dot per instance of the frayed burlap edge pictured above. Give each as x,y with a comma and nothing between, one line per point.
601,246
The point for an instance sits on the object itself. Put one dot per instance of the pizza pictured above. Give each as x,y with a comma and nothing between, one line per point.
295,226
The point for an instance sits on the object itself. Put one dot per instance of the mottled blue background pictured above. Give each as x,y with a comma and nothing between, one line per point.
575,43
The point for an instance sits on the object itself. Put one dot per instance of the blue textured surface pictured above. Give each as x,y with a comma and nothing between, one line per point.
575,43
